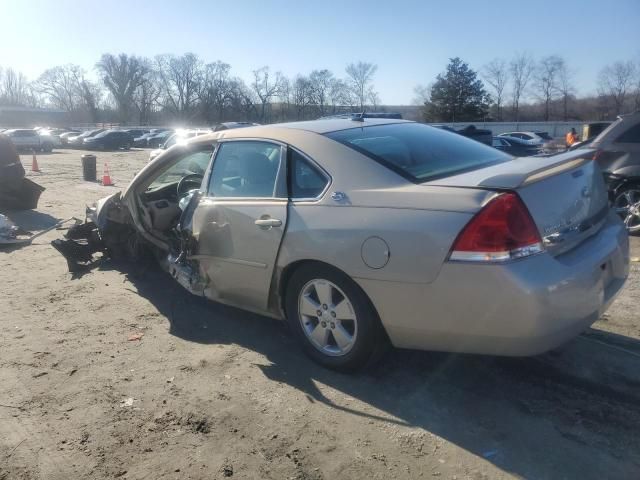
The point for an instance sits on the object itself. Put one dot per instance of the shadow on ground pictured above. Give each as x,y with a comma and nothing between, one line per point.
32,220
569,414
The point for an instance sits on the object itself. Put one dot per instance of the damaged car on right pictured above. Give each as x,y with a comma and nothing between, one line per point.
364,232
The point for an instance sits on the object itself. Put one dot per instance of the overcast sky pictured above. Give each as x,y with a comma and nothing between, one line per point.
410,41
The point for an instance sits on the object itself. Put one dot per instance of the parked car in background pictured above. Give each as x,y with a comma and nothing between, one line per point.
617,151
51,135
514,148
135,132
155,140
359,232
28,139
109,140
78,140
593,129
64,137
141,141
523,142
180,137
526,138
229,125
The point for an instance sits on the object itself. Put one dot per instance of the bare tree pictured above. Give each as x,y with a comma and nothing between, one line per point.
303,95
566,88
496,74
242,100
14,90
615,81
147,95
91,94
61,86
122,75
320,84
547,82
360,79
216,93
341,95
181,80
422,94
521,68
374,98
266,87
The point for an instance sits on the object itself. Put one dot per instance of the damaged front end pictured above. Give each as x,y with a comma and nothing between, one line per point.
107,230
179,262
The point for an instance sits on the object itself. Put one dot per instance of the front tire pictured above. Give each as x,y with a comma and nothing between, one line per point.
627,205
332,318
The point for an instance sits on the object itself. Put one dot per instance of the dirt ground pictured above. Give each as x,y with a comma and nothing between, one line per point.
213,392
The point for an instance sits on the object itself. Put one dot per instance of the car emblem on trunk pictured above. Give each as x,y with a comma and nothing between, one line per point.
586,193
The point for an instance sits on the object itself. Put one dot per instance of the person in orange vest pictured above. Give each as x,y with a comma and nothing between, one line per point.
571,137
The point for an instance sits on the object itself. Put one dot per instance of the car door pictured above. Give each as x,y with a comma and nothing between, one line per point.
240,220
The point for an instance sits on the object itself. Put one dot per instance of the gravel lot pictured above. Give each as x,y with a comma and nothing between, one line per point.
213,392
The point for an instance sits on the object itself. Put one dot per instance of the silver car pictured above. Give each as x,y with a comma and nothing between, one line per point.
367,231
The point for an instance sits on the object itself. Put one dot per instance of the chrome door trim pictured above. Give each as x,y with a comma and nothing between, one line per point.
317,166
281,172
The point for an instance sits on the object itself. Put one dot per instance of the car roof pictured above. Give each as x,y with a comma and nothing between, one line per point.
521,131
315,126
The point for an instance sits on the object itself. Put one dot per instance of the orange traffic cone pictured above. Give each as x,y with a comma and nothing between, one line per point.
34,163
106,178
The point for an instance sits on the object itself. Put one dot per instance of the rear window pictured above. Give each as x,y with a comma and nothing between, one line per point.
419,152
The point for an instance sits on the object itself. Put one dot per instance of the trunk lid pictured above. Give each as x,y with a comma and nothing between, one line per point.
565,194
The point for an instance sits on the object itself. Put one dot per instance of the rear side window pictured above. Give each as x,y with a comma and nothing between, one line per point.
630,136
306,180
419,152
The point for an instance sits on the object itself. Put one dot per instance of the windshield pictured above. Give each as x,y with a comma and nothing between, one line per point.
419,152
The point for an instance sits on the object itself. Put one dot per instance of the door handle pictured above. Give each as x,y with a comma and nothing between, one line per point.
268,222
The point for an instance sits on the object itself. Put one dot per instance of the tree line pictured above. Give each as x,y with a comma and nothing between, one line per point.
524,88
186,89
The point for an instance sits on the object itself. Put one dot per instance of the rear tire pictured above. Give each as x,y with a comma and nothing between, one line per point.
627,205
333,319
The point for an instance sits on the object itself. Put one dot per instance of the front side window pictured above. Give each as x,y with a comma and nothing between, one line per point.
418,152
246,169
306,180
193,162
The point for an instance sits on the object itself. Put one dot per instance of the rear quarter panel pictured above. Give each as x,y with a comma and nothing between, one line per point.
418,240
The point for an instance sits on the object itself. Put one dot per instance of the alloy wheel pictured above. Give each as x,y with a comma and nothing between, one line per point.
327,317
627,206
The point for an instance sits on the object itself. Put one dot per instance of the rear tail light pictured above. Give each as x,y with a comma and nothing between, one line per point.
503,230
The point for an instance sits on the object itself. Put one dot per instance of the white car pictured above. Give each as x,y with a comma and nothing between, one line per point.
28,139
528,138
178,138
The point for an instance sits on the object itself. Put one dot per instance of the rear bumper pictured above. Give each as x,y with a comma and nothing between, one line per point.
521,308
